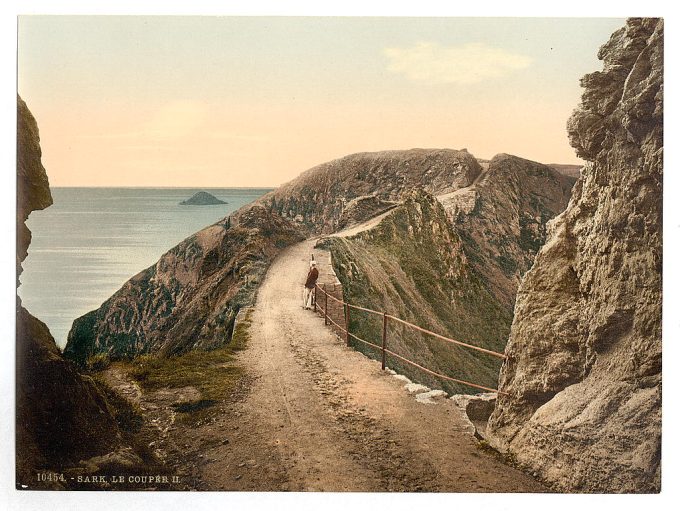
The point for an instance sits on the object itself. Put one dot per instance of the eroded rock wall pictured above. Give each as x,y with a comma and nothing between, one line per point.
61,416
502,218
33,188
583,374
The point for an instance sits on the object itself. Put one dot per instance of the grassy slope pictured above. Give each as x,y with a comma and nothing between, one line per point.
213,373
412,266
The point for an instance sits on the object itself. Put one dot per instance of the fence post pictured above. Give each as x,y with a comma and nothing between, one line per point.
384,339
315,288
325,308
347,323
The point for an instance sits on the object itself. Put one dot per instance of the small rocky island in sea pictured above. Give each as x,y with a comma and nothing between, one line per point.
202,199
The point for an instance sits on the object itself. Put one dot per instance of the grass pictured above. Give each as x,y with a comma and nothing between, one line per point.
97,362
213,373
128,415
461,307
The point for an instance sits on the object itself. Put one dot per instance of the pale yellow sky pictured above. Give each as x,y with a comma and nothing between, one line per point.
198,102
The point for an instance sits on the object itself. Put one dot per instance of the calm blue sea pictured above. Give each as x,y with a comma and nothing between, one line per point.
91,240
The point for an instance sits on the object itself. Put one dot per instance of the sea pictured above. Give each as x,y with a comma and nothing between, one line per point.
92,240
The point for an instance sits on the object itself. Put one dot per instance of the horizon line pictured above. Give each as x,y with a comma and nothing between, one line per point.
169,187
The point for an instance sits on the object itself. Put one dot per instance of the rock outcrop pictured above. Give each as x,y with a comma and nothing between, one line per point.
33,188
61,416
202,199
502,218
583,375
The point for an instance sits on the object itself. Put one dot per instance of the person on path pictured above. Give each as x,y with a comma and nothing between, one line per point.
310,283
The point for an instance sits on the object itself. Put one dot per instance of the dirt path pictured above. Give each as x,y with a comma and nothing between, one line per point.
356,229
320,416
311,414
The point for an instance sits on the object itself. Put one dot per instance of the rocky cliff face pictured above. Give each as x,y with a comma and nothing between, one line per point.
190,298
321,199
33,188
61,416
502,218
584,357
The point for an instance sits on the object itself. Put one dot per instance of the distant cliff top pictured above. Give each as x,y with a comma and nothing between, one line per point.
318,197
390,172
202,199
567,170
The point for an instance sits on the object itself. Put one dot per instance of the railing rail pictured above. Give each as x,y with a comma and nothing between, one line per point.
383,348
448,339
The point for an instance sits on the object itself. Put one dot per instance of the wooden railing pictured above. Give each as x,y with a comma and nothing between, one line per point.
347,307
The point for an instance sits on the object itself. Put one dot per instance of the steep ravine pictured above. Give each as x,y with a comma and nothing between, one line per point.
502,218
583,375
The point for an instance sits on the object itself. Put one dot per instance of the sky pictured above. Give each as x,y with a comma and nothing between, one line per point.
215,101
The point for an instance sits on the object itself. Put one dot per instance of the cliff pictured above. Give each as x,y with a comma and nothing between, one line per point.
413,265
190,298
61,416
502,218
584,357
452,264
33,188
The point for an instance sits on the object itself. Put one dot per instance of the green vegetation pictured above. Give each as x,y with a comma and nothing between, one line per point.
97,362
210,372
412,267
213,373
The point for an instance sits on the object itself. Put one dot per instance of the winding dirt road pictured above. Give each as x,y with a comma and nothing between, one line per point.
319,416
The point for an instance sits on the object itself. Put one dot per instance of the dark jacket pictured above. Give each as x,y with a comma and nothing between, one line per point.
312,276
